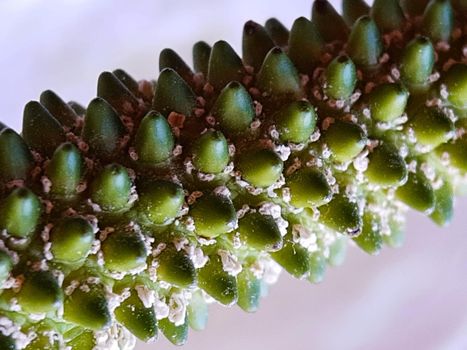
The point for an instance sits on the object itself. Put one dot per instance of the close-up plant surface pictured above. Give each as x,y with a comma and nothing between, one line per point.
126,217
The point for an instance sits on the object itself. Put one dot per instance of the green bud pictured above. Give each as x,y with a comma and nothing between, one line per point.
111,188
341,215
345,140
397,234
111,89
173,94
176,267
213,215
256,44
417,193
278,75
364,45
160,201
417,62
432,127
328,21
234,108
43,341
127,80
249,291
65,170
296,121
138,319
201,53
7,342
77,108
83,341
154,141
387,14
341,78
260,232
308,188
444,203
123,251
386,167
60,110
15,158
41,130
261,168
40,293
337,252
456,151
370,239
177,335
6,264
353,10
388,102
87,306
438,20
277,31
224,65
455,80
305,45
216,282
168,58
211,152
72,240
20,213
197,311
293,257
103,130
414,7
317,267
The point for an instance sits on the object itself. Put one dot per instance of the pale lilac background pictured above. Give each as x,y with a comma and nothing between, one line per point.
414,297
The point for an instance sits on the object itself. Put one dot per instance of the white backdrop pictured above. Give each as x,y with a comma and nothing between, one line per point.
414,297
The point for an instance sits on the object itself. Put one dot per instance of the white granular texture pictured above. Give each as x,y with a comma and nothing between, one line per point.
230,263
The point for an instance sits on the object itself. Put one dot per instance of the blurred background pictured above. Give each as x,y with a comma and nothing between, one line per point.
414,297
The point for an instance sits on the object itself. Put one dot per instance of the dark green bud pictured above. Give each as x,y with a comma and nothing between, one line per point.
41,130
364,45
438,20
249,291
197,311
176,267
168,58
7,342
177,335
211,152
160,201
277,31
127,80
328,21
342,215
417,62
72,240
213,215
61,111
15,158
293,257
233,108
432,127
260,232
111,89
154,141
388,102
261,168
77,108
308,188
123,251
388,15
417,193
456,151
256,44
370,239
386,167
296,121
414,7
20,213
201,53
111,188
353,10
40,293
224,65
345,140
455,81
444,203
341,78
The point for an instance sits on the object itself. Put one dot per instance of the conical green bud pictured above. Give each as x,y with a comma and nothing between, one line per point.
154,141
249,291
455,81
111,89
6,265
137,318
211,152
176,268
305,45
77,108
168,58
308,188
65,170
197,311
438,20
341,215
216,282
277,31
388,101
278,75
234,108
417,62
353,10
256,44
127,80
15,158
432,127
123,251
328,21
414,7
386,167
293,257
103,130
317,267
160,201
444,203
370,239
296,121
177,335
111,189
417,193
173,94
72,240
364,45
20,213
345,140
260,232
388,15
341,78
40,292
456,152
87,306
41,130
224,65
61,111
201,53
261,168
213,215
